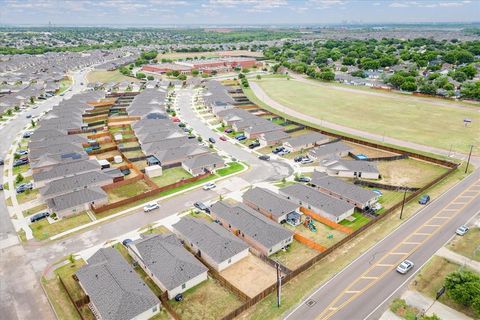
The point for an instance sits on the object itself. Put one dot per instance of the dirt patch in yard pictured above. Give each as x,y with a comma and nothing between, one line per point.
296,255
251,275
321,236
369,152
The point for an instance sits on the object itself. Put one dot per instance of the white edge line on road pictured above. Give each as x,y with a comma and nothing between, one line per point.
416,271
417,214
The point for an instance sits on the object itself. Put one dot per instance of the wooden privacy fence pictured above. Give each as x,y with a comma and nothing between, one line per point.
271,262
392,158
75,304
312,244
372,184
164,299
326,221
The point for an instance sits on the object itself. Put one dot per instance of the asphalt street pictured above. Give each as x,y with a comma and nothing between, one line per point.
364,288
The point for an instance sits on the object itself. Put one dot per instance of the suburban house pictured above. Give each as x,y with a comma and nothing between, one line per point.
261,127
257,230
115,290
231,116
351,169
168,263
272,138
336,149
208,162
77,201
313,201
270,204
359,197
55,149
42,177
305,141
174,157
218,247
47,161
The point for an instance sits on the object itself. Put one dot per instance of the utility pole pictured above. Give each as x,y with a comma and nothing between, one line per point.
469,156
279,285
403,202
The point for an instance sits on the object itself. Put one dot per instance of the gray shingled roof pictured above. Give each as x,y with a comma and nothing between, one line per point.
179,154
165,256
354,165
251,223
67,169
55,149
203,160
314,198
210,238
305,139
275,135
330,149
269,201
114,287
73,138
78,181
344,189
58,159
76,198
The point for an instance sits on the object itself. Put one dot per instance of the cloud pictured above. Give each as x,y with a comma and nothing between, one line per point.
428,4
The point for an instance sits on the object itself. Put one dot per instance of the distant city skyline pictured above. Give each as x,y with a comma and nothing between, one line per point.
234,12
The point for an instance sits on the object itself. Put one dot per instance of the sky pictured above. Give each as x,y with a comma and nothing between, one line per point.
234,12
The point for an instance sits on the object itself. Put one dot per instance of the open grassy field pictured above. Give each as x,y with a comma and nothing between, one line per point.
208,300
468,245
108,76
43,229
402,117
127,191
171,175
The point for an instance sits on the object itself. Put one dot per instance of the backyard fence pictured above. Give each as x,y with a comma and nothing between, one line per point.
372,184
166,304
392,158
77,306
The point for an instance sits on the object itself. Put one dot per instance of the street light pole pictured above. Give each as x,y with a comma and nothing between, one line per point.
403,202
469,156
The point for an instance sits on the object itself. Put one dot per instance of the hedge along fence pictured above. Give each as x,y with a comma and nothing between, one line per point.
307,265
145,194
384,186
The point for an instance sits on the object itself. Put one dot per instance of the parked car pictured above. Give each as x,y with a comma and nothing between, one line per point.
241,137
405,266
39,216
462,230
298,158
264,157
254,145
277,150
306,160
191,136
126,242
303,179
283,152
209,186
35,106
211,139
179,297
201,206
28,116
228,130
223,138
151,206
182,125
1,186
20,162
125,171
24,187
22,152
186,129
424,199
1,162
27,134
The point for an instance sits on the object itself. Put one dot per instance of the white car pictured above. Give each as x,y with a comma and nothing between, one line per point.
405,266
209,186
306,160
151,206
462,230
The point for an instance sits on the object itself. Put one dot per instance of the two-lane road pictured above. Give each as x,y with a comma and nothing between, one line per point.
362,289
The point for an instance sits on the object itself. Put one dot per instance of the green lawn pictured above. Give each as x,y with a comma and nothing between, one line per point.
208,300
360,220
170,176
43,229
127,190
398,116
21,169
25,180
467,245
35,209
232,168
108,76
64,85
26,196
58,297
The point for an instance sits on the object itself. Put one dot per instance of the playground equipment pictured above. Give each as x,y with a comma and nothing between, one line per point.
308,223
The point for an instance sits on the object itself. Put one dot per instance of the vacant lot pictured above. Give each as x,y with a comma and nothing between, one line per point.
420,120
467,245
170,176
127,191
409,172
432,277
43,229
208,300
251,275
108,76
296,255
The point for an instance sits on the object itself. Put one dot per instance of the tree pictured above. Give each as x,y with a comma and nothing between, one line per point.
396,80
471,90
259,77
9,112
327,75
460,76
32,100
195,72
140,75
359,73
32,122
19,178
464,287
428,88
17,108
182,77
241,76
149,77
408,86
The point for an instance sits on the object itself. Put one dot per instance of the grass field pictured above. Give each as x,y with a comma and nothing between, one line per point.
27,196
402,117
127,191
57,295
170,176
208,300
43,229
296,255
431,278
35,209
64,85
467,245
360,220
108,76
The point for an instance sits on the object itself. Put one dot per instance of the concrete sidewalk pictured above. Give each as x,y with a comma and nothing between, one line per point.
458,258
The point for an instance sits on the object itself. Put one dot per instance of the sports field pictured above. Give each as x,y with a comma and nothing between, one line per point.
425,121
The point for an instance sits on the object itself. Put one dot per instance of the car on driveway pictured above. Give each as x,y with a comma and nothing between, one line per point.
27,134
241,137
306,160
228,130
24,187
277,150
209,186
254,145
462,230
264,157
405,266
424,199
28,116
20,162
39,216
303,179
126,242
211,139
223,138
151,206
283,152
22,152
298,158
201,206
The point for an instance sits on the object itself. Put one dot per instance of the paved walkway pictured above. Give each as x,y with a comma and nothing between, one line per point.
458,258
262,95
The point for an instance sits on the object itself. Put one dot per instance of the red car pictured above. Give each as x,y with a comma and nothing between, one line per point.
175,119
223,138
